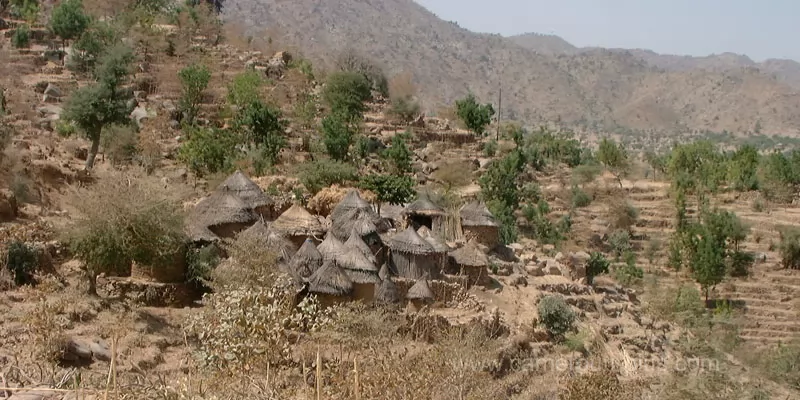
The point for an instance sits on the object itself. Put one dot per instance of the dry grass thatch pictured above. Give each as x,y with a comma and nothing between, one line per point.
297,221
420,291
357,243
330,279
218,209
409,241
364,220
385,273
388,293
352,201
438,244
307,260
245,189
425,207
470,256
358,267
477,214
331,248
283,247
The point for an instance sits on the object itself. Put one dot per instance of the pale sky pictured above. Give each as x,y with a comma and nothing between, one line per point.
758,28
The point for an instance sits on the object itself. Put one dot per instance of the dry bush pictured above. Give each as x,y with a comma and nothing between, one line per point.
598,385
402,85
46,329
252,263
453,174
622,214
149,150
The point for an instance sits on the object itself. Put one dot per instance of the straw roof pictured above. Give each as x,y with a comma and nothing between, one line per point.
331,248
270,239
307,260
477,214
358,267
356,242
424,206
297,221
420,291
409,241
330,279
365,221
470,255
245,189
439,245
351,201
387,292
199,233
221,208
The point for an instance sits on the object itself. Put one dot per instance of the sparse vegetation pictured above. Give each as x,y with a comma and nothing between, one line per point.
556,316
322,173
474,115
21,38
596,265
194,81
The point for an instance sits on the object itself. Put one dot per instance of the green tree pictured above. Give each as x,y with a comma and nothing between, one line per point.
475,116
399,154
68,20
708,263
322,173
657,163
194,81
556,315
389,188
345,93
743,168
337,135
262,126
696,166
245,89
208,150
597,265
614,157
103,103
91,45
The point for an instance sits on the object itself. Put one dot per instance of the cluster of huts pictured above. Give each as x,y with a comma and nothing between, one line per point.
354,253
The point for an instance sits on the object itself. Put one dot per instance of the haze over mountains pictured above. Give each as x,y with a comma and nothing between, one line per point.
544,78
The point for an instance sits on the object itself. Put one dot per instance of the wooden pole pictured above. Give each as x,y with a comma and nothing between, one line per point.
357,383
499,110
319,376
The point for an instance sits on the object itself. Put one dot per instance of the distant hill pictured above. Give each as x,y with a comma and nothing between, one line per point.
544,77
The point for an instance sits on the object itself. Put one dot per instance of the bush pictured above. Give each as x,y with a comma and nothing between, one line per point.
337,135
404,108
194,81
351,61
262,126
651,252
399,154
21,260
120,143
629,274
580,198
789,247
556,315
346,92
584,174
622,215
120,221
200,262
598,385
739,263
21,38
245,89
620,242
208,151
783,364
490,148
597,265
319,174
475,116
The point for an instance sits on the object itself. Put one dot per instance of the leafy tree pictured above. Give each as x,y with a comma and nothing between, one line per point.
778,176
68,20
319,174
708,263
346,92
91,45
21,38
657,163
208,150
743,168
504,214
404,108
696,166
389,188
353,62
245,89
789,247
194,81
475,116
103,103
399,154
614,157
262,126
597,265
499,182
337,135
556,315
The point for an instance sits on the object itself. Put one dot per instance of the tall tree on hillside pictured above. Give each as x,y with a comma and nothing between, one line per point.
614,157
68,20
346,92
474,115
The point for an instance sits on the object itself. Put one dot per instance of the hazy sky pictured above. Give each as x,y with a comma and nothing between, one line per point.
760,29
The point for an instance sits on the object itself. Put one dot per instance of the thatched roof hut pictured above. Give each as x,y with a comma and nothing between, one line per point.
282,246
307,260
355,242
245,189
412,256
387,292
438,244
478,223
297,224
420,294
424,212
330,283
221,213
472,263
352,201
331,248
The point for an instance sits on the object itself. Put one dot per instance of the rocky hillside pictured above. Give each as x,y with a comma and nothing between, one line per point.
600,89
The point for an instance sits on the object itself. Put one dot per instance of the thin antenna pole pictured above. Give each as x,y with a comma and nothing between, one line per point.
499,110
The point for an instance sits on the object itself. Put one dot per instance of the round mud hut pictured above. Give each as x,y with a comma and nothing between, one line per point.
306,261
412,257
471,263
388,293
419,295
424,212
245,189
478,223
362,272
330,284
297,225
221,214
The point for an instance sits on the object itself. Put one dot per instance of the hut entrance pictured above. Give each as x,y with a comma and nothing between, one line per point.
417,221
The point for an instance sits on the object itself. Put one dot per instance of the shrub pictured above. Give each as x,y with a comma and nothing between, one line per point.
390,188
262,126
399,154
584,174
200,262
490,148
253,262
622,215
597,265
352,62
208,151
346,92
120,221
615,158
783,364
120,142
68,20
758,205
404,108
556,316
475,116
305,110
620,242
789,247
651,252
194,81
629,274
580,198
245,89
319,174
21,38
739,263
66,129
598,385
337,135
21,260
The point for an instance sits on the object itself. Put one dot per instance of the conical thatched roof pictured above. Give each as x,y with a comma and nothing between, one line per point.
351,201
356,242
387,292
358,267
477,214
307,260
384,273
331,248
439,245
260,229
245,189
297,221
221,208
364,221
409,241
423,206
330,279
470,255
284,248
420,291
